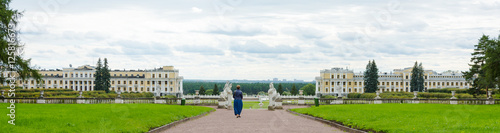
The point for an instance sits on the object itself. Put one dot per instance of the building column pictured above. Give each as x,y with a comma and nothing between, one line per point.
317,91
182,90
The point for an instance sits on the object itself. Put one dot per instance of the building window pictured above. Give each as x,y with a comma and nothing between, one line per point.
118,83
130,82
326,83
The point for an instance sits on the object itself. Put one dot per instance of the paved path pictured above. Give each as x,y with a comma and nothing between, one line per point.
252,121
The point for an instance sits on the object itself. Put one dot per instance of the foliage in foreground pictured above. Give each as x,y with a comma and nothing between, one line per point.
412,117
71,118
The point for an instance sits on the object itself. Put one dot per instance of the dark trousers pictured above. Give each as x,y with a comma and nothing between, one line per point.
238,106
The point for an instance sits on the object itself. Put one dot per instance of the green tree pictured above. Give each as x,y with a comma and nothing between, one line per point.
106,81
280,89
11,58
202,90
371,77
98,84
482,63
492,62
309,89
417,78
294,90
209,92
216,90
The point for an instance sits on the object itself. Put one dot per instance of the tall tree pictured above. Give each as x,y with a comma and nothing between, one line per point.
280,89
216,90
492,62
294,90
98,84
417,78
421,80
202,90
11,48
483,61
106,81
371,77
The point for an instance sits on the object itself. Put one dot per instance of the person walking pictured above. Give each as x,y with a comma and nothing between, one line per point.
238,103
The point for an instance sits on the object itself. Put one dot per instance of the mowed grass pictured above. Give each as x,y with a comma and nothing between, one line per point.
103,118
405,118
254,104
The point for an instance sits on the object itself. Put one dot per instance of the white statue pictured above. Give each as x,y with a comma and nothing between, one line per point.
273,95
227,94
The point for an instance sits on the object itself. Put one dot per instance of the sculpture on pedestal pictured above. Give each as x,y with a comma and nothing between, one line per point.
273,97
227,95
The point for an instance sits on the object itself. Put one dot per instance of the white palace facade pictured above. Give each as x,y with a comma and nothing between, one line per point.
346,81
163,81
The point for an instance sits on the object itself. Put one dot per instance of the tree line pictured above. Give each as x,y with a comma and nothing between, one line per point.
247,88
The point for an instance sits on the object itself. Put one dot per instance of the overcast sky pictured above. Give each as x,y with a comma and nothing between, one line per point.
257,39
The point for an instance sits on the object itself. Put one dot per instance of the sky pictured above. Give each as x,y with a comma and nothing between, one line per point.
257,39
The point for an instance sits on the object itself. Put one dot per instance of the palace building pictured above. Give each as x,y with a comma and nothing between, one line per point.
162,81
337,81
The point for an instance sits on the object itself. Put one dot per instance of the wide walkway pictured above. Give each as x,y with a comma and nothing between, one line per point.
252,121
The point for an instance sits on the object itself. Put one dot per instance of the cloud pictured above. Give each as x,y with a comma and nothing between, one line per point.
196,10
254,46
200,49
129,47
347,36
305,32
236,29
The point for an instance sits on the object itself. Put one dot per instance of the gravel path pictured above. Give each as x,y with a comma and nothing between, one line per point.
252,121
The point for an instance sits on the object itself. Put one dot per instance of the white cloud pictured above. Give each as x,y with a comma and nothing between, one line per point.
196,10
257,39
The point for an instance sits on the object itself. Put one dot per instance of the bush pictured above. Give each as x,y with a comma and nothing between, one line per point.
329,97
447,90
353,95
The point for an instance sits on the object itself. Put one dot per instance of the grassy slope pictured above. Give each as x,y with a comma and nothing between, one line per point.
95,117
413,117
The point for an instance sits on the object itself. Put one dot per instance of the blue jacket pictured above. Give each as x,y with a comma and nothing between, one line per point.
238,95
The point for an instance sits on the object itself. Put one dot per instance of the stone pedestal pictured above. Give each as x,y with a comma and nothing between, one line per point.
339,100
377,101
490,101
196,100
453,101
415,101
378,95
80,101
40,100
222,103
415,93
278,104
119,100
270,108
158,100
302,101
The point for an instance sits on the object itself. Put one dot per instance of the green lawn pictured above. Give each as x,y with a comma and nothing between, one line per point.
254,104
94,117
412,117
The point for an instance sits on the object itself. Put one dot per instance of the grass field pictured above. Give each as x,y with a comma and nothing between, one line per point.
94,117
412,117
255,104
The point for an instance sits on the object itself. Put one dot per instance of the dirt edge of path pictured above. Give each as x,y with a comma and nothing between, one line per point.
170,125
331,123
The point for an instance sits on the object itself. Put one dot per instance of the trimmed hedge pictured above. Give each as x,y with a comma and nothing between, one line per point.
68,93
403,95
447,90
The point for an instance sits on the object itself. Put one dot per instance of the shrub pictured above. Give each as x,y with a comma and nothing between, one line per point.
353,95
